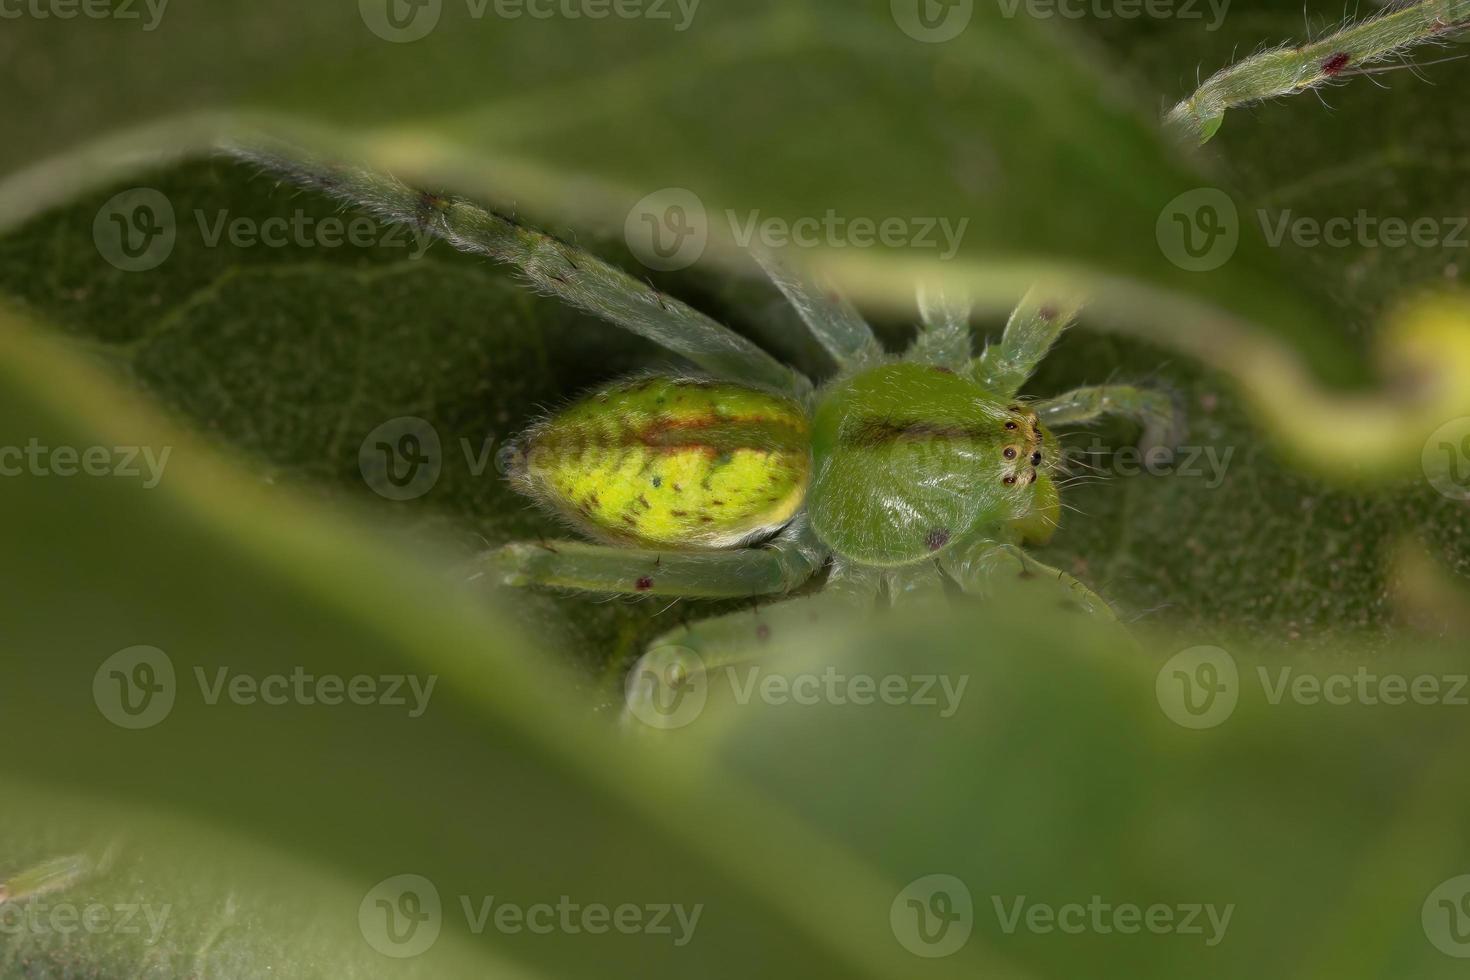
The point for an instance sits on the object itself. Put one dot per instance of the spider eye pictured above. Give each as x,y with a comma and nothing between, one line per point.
1010,452
1008,480
1011,425
1036,458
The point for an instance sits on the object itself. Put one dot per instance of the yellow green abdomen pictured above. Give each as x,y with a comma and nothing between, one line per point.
671,463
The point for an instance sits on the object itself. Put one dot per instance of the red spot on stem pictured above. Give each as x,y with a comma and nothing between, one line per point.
1336,63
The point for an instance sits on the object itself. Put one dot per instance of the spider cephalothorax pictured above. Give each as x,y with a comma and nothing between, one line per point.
911,458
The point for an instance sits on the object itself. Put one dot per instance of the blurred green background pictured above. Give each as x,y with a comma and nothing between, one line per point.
1078,766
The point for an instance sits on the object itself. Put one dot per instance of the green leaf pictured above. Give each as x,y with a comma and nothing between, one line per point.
266,546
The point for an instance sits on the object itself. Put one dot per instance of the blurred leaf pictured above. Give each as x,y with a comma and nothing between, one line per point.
1038,761
798,827
502,786
591,115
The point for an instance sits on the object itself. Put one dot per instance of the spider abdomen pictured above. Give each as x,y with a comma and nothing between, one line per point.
671,463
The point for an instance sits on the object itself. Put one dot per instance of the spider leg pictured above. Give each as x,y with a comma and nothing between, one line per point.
738,636
977,562
695,650
553,267
915,586
1156,411
833,321
944,331
1033,327
778,566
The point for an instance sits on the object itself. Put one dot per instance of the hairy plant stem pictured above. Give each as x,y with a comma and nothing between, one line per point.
1289,70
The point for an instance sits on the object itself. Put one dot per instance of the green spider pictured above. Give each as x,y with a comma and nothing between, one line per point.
900,475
